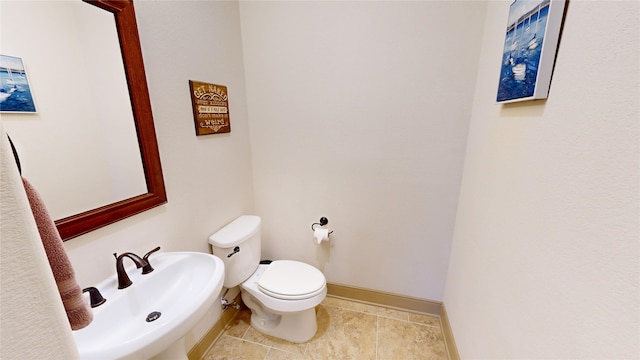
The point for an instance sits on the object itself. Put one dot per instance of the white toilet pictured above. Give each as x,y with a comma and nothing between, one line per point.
282,296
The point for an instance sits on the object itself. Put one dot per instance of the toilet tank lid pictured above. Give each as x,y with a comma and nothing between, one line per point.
236,231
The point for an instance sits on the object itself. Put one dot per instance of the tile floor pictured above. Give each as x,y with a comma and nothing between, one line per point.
346,330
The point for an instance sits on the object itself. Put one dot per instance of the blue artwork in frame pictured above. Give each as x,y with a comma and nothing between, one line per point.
531,40
15,91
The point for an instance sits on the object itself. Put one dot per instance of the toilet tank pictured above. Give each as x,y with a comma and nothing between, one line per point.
238,245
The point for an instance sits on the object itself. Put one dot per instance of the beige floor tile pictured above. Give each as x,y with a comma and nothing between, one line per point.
425,319
391,313
346,330
239,325
276,354
348,335
369,309
337,302
366,308
231,348
324,320
406,340
258,337
349,305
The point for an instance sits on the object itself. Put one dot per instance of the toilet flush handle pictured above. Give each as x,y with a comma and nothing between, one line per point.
235,251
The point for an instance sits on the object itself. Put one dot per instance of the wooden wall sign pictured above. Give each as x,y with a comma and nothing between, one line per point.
210,108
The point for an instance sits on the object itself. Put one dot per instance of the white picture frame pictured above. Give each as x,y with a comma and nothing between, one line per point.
15,90
531,41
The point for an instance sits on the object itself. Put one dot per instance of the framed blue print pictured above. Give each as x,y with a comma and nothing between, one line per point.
15,91
530,45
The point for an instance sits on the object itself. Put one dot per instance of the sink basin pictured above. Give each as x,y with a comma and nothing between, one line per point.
182,288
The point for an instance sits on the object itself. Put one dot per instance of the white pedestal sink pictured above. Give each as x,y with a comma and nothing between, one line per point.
182,288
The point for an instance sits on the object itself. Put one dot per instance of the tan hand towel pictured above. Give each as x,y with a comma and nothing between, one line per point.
78,311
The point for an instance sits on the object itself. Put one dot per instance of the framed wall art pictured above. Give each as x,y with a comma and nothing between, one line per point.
15,91
210,108
530,45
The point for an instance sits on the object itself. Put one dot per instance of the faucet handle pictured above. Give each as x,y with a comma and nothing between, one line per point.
148,268
95,297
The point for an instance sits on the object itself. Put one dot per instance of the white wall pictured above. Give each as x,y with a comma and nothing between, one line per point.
208,178
359,112
544,261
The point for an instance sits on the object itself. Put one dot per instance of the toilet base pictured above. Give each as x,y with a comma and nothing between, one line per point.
297,327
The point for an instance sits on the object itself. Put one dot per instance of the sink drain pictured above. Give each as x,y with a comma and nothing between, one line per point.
153,316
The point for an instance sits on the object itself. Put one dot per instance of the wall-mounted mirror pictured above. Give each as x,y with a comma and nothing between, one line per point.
91,150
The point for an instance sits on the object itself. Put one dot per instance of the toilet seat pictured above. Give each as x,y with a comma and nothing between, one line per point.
278,305
291,280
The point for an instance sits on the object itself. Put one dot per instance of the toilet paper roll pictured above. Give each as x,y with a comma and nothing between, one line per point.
321,235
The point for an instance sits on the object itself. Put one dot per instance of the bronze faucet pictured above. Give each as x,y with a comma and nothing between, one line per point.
123,278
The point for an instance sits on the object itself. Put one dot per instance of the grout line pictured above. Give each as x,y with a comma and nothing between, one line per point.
240,337
423,324
377,327
251,342
408,319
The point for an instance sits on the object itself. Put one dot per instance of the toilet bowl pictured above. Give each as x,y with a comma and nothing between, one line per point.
282,295
279,306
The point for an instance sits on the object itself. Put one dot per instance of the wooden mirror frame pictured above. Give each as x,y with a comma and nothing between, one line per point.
76,225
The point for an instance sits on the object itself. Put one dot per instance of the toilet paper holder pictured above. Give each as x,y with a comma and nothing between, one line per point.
323,221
